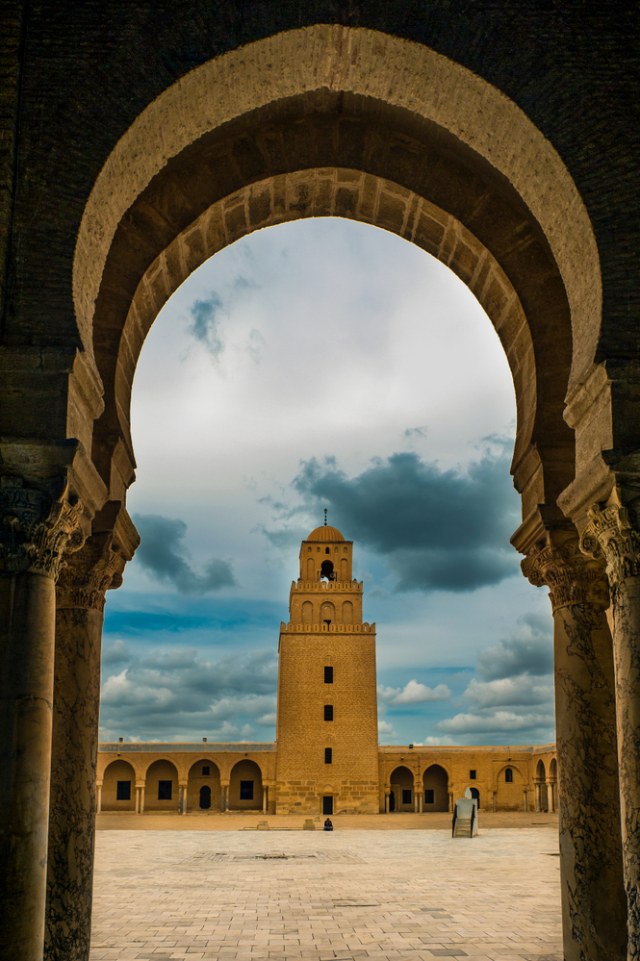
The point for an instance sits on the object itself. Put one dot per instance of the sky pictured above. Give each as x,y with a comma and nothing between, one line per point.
325,364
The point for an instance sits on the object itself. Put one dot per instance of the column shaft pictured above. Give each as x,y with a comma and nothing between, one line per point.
73,783
27,611
589,816
626,631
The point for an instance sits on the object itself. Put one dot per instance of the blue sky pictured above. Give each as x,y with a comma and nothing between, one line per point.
325,364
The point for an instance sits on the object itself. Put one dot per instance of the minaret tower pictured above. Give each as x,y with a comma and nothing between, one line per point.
327,726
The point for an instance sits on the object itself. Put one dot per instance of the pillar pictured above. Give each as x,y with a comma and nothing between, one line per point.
613,533
35,531
550,798
387,802
80,595
184,790
224,796
265,798
421,802
593,907
99,798
537,790
141,788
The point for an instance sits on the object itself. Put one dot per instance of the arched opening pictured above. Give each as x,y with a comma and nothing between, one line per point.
475,793
161,790
326,571
542,803
204,775
435,782
245,787
402,796
119,787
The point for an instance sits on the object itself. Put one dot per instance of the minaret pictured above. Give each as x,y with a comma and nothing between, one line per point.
327,726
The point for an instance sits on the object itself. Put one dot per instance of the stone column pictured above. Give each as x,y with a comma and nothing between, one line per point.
537,790
142,790
83,581
183,797
593,909
421,803
550,798
35,531
387,801
265,799
224,796
613,533
98,798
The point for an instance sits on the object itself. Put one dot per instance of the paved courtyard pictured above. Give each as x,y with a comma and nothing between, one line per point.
402,895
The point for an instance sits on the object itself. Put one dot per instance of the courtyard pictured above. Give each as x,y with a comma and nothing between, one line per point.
357,893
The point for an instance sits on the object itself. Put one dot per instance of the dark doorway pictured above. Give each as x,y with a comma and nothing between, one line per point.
327,804
205,798
392,801
475,793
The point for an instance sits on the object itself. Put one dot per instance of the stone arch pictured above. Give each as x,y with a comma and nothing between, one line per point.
118,772
347,612
542,802
203,773
307,612
245,772
435,779
401,781
432,168
327,612
161,787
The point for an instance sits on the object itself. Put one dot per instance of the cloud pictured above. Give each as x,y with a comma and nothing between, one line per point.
385,727
176,693
412,432
529,650
507,691
499,722
438,529
162,554
414,692
205,323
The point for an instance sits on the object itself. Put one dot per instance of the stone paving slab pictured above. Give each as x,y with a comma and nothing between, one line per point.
314,896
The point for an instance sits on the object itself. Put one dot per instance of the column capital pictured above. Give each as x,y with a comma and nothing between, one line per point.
612,534
38,525
87,575
557,562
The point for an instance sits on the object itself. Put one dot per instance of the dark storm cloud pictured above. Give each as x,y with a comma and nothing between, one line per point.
439,529
162,554
529,650
205,323
178,692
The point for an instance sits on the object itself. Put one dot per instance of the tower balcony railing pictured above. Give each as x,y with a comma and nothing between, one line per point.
302,585
292,627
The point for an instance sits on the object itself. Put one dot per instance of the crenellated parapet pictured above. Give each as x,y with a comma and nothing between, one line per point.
291,628
338,586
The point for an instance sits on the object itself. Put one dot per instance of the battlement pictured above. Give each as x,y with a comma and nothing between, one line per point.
291,628
342,586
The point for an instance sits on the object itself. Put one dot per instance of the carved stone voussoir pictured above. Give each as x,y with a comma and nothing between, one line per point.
37,529
569,575
612,535
86,576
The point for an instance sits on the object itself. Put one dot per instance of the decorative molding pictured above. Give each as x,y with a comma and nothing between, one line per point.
611,534
87,575
37,528
569,575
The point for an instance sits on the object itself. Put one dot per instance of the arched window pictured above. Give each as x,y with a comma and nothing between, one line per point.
508,775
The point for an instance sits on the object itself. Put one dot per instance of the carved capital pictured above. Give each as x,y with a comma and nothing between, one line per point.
87,575
612,534
37,528
569,575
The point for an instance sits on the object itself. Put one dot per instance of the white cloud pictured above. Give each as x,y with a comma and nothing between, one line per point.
521,690
414,692
506,722
385,727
